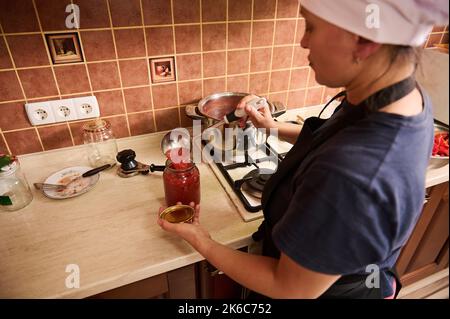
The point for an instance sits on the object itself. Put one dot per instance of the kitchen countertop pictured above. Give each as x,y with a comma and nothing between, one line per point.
111,231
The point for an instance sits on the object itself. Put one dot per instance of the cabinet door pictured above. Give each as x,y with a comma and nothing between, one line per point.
426,252
153,287
214,284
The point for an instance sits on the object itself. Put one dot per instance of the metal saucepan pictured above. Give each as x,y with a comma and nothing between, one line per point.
212,109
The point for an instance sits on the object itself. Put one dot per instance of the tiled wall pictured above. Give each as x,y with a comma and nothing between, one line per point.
233,45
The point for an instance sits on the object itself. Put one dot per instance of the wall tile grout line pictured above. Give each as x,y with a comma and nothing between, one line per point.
250,47
118,66
226,44
160,26
201,56
4,141
153,26
87,74
172,11
147,63
293,53
271,54
51,67
84,62
442,37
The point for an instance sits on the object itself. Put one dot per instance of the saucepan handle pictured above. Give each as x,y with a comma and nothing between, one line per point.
278,108
192,112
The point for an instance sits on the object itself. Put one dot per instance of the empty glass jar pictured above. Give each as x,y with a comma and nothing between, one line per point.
14,190
101,144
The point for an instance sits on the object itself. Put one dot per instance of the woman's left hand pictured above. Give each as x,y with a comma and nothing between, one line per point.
193,232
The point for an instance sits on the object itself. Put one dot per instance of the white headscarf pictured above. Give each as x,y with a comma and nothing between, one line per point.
401,22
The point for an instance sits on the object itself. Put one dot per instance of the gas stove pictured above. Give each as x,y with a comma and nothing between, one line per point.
245,175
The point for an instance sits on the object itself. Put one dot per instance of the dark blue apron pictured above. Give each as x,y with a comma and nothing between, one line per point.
274,197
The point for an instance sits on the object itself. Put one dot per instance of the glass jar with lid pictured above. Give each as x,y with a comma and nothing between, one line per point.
14,190
181,183
101,144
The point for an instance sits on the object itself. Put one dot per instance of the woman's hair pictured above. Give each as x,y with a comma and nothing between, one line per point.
398,54
404,53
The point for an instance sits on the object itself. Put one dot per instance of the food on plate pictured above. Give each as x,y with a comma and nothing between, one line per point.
75,184
440,147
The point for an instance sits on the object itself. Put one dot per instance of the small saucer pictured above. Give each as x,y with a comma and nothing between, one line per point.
75,188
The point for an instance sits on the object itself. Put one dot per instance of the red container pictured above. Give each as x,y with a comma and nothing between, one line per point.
181,183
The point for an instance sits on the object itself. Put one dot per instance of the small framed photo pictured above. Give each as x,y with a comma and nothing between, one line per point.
64,48
162,69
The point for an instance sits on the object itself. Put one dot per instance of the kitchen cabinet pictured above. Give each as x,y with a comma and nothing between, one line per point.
214,284
426,251
199,280
176,284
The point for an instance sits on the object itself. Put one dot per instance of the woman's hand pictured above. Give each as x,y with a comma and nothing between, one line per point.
193,232
261,118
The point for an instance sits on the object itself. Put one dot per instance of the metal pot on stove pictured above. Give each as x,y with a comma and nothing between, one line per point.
212,109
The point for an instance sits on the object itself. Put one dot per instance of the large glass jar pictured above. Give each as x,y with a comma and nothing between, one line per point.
14,190
101,144
181,183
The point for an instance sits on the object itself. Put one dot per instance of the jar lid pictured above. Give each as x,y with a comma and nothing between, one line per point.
97,125
178,214
8,164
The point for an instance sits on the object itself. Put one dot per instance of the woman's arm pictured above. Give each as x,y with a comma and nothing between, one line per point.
262,118
288,131
282,278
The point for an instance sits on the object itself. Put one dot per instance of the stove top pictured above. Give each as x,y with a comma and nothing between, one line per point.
248,171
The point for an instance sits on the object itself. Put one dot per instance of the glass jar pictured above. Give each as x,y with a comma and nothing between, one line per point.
181,183
14,190
100,141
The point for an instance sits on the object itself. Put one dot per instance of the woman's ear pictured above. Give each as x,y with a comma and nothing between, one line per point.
365,48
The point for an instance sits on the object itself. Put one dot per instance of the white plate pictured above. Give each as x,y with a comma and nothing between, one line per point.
76,188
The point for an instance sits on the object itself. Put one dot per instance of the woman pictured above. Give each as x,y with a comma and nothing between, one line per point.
346,197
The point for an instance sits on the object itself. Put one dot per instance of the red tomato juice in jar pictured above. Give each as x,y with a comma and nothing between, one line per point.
181,183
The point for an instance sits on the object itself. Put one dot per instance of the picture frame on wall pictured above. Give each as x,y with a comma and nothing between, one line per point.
162,69
64,48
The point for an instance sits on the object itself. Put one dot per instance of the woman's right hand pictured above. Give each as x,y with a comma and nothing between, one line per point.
261,118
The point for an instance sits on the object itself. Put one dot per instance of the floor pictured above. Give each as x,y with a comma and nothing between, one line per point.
433,287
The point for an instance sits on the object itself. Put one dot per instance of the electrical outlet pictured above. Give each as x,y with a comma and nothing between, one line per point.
40,113
86,107
63,110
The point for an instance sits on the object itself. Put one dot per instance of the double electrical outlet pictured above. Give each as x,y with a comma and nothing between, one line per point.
47,112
